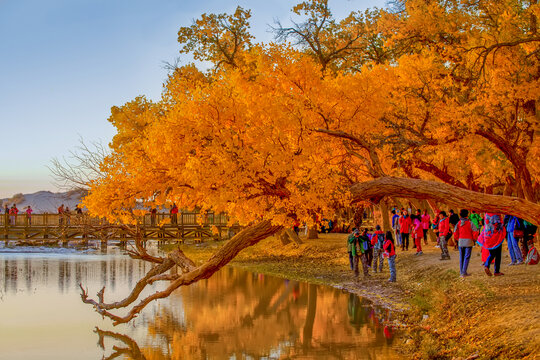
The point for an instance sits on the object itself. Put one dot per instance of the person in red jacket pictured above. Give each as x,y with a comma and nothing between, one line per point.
426,221
491,238
418,233
405,226
13,213
465,234
174,214
444,230
390,252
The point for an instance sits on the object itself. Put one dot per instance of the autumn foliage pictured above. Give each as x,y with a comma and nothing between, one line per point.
433,100
435,90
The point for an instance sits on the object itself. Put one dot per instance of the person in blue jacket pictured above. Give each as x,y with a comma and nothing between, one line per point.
513,223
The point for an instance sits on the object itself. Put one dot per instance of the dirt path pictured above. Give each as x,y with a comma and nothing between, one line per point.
478,317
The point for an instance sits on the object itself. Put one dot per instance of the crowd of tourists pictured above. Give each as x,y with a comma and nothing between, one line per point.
367,249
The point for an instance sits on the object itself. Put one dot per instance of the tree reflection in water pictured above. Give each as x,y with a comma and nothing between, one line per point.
237,314
132,350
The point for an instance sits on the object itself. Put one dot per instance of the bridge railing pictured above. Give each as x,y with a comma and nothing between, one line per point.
148,220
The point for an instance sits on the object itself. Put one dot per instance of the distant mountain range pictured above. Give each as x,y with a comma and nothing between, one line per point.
44,201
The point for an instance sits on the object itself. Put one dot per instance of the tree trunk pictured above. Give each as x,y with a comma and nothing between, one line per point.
284,238
293,236
312,232
376,189
386,225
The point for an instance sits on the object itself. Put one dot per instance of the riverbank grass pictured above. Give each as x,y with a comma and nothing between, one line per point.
449,317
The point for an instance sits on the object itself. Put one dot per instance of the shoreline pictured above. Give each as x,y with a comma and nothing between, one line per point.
445,317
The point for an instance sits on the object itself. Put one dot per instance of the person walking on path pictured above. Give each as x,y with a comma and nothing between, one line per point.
418,234
29,215
351,249
491,238
444,230
363,250
426,222
390,252
395,224
476,219
405,227
465,234
377,240
514,226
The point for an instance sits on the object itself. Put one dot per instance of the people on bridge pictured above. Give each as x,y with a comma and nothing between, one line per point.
67,214
174,214
61,215
29,215
13,214
6,214
153,215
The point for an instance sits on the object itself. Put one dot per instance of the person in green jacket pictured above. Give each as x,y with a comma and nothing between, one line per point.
351,247
476,219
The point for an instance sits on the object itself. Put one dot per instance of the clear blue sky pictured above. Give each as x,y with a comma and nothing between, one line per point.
64,63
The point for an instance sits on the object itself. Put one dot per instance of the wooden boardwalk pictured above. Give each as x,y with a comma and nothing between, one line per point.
56,228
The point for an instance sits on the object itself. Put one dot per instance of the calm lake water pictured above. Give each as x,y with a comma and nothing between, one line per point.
233,315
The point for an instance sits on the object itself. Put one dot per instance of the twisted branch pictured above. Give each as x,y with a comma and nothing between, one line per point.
247,237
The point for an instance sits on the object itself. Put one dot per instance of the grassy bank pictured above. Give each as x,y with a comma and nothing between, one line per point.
479,317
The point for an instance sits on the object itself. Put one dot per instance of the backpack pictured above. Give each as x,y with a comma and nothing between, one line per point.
377,241
532,257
